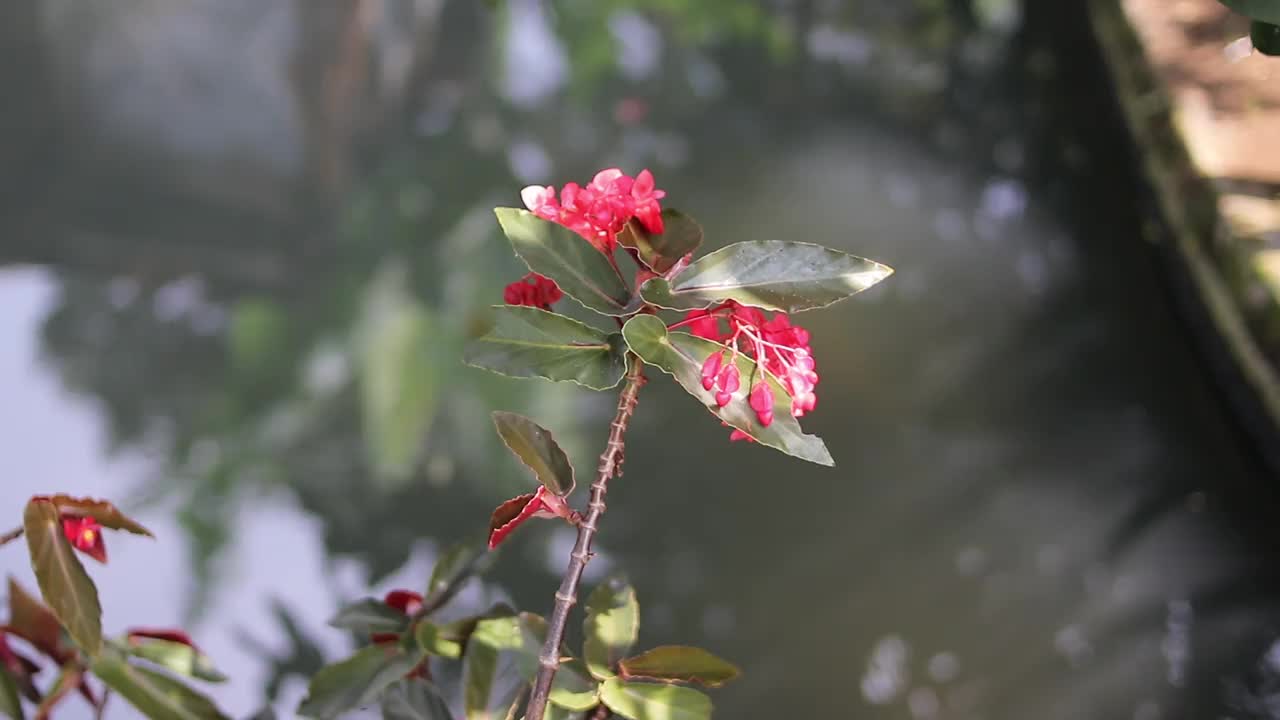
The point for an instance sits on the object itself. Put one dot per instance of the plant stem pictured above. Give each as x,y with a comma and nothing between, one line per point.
567,595
602,712
10,536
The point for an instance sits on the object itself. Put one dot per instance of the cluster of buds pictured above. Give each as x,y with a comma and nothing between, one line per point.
533,290
600,209
774,343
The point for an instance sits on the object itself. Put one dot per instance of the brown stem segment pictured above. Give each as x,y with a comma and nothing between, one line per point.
567,595
11,536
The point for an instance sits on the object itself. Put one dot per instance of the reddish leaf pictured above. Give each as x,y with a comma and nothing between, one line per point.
172,635
64,584
30,620
107,514
512,513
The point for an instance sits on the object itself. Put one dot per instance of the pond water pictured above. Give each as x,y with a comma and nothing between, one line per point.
1040,508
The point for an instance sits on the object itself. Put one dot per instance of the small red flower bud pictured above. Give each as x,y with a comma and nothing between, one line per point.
406,601
730,379
723,398
85,535
710,368
761,400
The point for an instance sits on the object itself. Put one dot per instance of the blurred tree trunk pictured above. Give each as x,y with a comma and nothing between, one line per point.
331,73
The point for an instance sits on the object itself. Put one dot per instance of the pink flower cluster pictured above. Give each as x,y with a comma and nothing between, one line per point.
782,348
600,209
533,290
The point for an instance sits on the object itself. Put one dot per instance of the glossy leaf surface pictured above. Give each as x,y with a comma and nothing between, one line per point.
370,616
527,342
771,274
678,663
681,235
537,449
555,251
490,676
681,355
414,700
611,626
155,695
178,657
66,587
435,640
651,701
357,681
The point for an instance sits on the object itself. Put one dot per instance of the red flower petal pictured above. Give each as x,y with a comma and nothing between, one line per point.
406,601
85,535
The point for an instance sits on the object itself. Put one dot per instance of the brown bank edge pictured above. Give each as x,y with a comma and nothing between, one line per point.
1220,235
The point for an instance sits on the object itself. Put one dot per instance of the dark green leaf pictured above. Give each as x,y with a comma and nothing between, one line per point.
770,274
398,343
434,641
414,699
677,663
30,620
490,669
178,657
10,701
357,681
107,514
573,687
455,566
66,587
370,616
681,355
1265,37
648,701
537,449
1264,10
155,695
554,251
680,236
611,626
529,342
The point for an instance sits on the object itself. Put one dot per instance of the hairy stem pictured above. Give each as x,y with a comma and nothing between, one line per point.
567,595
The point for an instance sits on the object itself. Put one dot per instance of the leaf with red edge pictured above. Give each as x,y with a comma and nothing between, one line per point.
106,513
681,235
511,514
30,620
678,663
64,584
173,650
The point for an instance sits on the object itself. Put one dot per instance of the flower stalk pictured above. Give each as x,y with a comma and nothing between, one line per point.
567,596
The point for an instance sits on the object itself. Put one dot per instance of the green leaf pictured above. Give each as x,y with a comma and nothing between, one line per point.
66,587
155,695
573,687
681,355
10,701
648,701
1264,10
678,663
357,681
611,626
434,641
414,699
555,712
178,657
107,514
537,449
771,274
1265,37
30,620
370,616
456,565
400,364
553,250
490,668
530,342
680,236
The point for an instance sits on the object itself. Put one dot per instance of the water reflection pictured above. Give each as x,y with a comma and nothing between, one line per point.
1038,510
